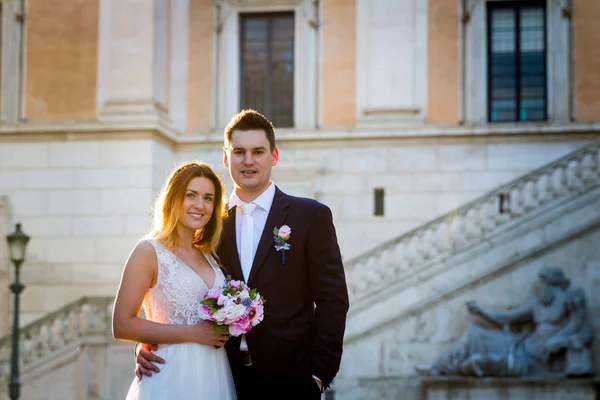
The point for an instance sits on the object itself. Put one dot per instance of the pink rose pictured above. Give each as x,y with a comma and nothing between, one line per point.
240,326
284,232
214,293
256,312
204,313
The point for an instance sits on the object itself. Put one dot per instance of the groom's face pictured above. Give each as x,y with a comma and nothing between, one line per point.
249,160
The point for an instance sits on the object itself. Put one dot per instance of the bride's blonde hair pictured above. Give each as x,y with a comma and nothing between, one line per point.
168,206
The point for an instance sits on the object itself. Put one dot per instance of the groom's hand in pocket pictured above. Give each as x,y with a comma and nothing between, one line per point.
145,356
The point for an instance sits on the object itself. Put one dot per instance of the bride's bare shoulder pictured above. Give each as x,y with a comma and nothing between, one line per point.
143,251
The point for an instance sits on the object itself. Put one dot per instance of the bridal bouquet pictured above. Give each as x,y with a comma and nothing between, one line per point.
234,307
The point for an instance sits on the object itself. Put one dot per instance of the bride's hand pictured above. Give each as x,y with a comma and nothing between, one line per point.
143,358
204,333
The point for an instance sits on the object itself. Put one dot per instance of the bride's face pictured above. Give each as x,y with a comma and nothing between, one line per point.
198,204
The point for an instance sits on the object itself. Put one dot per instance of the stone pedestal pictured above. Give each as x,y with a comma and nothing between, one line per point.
510,388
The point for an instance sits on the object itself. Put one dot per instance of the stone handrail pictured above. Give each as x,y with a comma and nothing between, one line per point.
41,338
472,223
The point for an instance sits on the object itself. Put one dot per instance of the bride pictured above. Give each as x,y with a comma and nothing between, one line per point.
169,273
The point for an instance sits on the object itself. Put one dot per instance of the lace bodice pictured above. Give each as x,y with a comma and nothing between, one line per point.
178,291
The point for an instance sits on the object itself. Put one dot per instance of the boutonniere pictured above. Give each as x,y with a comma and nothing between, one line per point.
281,236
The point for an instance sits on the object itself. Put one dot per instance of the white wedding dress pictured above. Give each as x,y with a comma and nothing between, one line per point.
191,371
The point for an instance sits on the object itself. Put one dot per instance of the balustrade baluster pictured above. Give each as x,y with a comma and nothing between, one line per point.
575,176
399,257
516,201
543,189
589,169
529,196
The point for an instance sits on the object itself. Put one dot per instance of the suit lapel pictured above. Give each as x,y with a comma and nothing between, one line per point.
276,218
230,244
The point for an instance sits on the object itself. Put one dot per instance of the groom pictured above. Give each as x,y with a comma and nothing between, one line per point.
296,351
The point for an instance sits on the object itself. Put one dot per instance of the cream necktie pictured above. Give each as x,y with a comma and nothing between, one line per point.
247,249
247,239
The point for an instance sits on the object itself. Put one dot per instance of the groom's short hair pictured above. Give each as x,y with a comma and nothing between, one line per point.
249,120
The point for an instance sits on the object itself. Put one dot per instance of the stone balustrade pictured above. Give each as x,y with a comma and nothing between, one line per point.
472,223
40,339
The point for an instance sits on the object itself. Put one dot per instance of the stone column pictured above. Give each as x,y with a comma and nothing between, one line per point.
179,56
133,60
5,267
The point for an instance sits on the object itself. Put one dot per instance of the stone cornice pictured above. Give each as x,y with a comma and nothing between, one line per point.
74,130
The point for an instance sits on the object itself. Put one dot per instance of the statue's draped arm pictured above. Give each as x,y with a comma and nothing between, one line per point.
520,314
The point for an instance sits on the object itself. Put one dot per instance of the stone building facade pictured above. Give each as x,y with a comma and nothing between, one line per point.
392,112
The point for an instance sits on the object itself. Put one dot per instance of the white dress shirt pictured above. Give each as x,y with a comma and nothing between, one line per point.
263,203
263,206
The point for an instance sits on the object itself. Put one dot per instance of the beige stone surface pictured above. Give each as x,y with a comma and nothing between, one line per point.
126,153
586,59
131,26
94,370
444,64
113,177
201,73
62,37
18,155
84,203
338,63
63,47
75,154
509,389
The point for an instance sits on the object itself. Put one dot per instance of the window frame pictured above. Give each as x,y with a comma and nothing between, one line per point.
518,6
474,87
267,15
226,95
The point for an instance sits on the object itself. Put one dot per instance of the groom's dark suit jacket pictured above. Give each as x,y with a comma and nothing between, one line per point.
306,298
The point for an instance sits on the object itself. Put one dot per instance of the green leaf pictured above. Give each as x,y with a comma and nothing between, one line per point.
221,329
209,302
253,294
214,309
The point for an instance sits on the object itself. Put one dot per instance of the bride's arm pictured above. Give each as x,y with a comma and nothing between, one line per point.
140,272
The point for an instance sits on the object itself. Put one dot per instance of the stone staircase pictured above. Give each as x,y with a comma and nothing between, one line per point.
407,295
70,354
416,255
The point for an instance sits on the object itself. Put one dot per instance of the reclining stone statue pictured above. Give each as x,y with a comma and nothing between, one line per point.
557,343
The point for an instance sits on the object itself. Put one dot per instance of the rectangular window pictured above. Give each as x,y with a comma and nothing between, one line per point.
267,65
379,195
516,40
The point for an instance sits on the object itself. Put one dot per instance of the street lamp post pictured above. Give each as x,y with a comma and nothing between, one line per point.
17,241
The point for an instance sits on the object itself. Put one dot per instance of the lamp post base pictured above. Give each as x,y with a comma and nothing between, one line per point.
14,390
